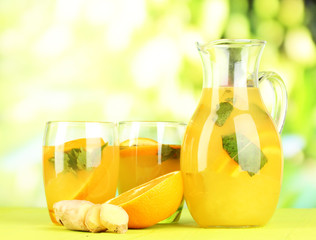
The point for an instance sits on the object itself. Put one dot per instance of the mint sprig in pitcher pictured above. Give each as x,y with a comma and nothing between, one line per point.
231,157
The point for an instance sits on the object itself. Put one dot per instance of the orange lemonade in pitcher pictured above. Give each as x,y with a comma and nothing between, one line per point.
231,158
239,181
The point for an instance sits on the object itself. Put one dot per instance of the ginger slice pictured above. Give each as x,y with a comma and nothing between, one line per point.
92,220
114,218
85,216
72,213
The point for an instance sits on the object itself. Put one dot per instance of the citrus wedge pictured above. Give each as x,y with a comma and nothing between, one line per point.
141,146
153,201
81,142
66,186
138,142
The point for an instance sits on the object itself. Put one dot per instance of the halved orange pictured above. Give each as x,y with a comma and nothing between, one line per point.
153,201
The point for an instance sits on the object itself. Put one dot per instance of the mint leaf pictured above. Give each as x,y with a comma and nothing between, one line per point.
230,146
76,158
82,159
235,56
70,160
223,112
244,152
168,152
52,160
104,146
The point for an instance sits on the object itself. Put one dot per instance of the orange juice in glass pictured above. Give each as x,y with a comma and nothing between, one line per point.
147,151
80,161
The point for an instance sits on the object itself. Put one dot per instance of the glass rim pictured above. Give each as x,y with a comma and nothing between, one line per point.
173,123
232,42
80,122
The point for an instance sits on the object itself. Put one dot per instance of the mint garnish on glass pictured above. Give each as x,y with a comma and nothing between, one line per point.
168,152
249,156
76,158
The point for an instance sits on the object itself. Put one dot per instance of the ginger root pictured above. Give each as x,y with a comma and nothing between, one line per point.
114,218
92,220
85,216
72,213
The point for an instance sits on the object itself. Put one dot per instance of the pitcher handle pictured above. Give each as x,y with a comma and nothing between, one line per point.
279,109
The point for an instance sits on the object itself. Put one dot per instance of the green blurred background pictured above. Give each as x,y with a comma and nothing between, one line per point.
136,60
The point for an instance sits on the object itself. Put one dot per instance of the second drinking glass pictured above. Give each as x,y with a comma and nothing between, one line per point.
147,151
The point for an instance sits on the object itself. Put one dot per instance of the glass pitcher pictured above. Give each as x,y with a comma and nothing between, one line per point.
231,157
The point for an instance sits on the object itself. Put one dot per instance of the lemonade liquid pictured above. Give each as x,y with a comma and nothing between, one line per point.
75,171
231,159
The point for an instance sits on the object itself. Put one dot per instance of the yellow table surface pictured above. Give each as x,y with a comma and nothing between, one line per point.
34,223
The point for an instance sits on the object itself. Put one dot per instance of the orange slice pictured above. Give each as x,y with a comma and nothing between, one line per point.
49,152
141,146
66,186
153,201
103,182
81,142
225,164
138,142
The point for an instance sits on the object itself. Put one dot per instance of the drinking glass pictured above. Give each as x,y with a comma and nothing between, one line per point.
147,151
80,161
